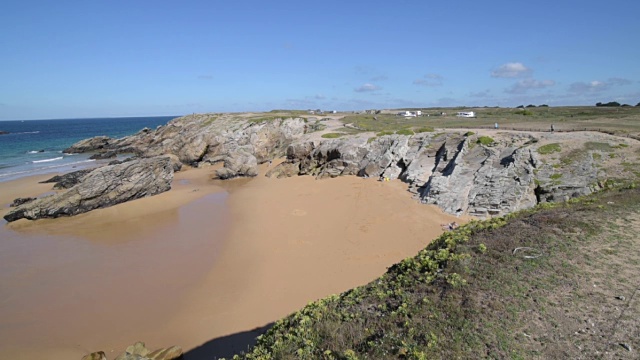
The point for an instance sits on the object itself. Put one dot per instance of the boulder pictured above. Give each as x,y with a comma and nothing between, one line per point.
238,163
139,351
103,187
286,169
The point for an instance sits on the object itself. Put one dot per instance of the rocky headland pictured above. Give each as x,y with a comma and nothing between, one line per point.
484,174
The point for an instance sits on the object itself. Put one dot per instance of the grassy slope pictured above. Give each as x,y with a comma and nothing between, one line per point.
570,294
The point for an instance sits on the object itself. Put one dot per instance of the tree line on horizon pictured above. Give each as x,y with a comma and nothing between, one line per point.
613,104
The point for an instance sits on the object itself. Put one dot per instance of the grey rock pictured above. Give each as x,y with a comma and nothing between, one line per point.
87,145
238,163
103,187
20,201
68,180
285,169
104,155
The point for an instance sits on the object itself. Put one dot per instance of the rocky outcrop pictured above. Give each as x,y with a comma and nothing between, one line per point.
3,132
457,171
103,187
451,170
208,138
68,180
92,144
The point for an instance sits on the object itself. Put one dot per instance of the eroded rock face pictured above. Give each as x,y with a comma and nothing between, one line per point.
450,170
103,187
208,138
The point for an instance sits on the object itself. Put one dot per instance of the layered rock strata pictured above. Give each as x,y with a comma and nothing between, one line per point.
102,187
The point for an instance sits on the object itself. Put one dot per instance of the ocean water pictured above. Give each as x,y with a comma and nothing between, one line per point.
34,147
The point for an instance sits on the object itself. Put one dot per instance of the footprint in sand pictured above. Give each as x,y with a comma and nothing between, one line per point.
298,212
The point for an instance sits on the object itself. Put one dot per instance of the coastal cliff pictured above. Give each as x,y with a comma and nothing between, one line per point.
490,173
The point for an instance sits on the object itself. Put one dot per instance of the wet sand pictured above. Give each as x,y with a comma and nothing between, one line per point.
187,267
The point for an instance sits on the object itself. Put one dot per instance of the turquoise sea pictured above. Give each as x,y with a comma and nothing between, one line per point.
34,147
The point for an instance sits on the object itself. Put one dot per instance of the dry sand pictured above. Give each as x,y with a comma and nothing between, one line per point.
167,270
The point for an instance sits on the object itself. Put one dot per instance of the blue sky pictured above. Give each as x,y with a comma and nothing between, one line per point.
67,59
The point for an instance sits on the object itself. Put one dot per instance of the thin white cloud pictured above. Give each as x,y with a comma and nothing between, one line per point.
429,80
367,88
587,87
319,97
582,87
525,85
511,70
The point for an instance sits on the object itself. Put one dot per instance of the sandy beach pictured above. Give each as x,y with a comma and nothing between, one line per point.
204,262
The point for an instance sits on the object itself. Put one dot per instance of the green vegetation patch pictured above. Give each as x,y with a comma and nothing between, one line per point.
549,149
601,146
423,130
405,132
555,176
469,133
383,133
485,140
332,135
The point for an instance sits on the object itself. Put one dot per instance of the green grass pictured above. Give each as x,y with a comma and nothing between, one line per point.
591,145
405,132
332,135
423,129
485,140
549,149
555,176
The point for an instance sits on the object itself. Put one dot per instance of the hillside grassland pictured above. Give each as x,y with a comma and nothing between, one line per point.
555,282
617,120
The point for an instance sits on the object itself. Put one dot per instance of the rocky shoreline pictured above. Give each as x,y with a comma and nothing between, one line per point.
461,172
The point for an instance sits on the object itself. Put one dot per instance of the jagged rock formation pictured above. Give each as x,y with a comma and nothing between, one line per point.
450,170
209,138
103,187
454,170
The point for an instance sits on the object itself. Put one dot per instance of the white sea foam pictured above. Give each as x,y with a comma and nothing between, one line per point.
44,169
47,160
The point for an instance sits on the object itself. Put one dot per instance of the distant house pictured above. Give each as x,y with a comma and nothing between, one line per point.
467,114
406,114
